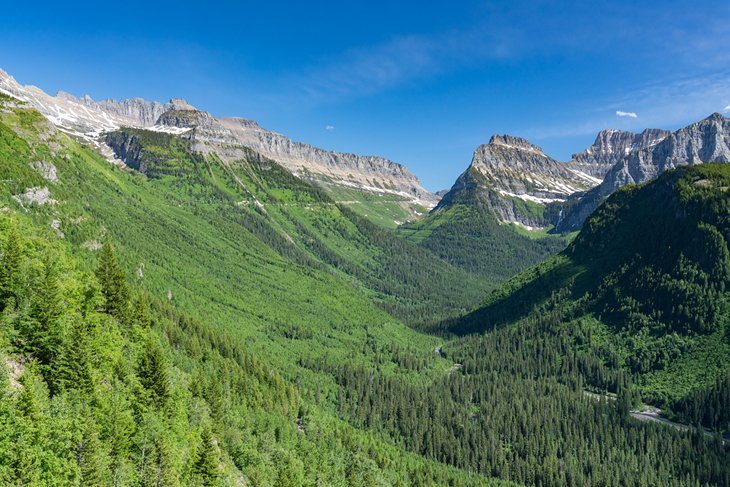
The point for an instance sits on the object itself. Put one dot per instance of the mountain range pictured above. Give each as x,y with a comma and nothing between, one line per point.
192,300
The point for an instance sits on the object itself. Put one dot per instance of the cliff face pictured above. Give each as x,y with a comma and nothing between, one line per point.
228,137
705,141
515,180
611,146
368,173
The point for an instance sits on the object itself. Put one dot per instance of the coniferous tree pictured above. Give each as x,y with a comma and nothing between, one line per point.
10,264
153,372
114,286
206,471
45,333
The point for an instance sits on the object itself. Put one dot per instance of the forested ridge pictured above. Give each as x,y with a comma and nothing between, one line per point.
191,320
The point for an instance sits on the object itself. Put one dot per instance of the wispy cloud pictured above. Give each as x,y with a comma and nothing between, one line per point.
727,108
621,113
329,127
400,60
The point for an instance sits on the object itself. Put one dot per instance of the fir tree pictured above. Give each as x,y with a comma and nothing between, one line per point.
10,264
205,469
114,286
153,372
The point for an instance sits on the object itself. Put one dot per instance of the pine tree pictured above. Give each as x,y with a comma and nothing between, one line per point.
114,286
73,366
153,372
205,469
90,457
46,311
142,311
10,264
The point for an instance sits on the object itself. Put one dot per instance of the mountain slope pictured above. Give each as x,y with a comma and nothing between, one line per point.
246,250
705,141
479,224
388,187
517,179
648,277
549,373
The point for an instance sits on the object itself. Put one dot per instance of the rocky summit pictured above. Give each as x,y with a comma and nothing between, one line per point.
611,146
705,141
517,179
229,137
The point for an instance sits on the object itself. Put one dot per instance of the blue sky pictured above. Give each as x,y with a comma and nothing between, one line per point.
422,83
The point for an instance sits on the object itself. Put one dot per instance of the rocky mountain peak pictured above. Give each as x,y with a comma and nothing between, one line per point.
705,141
611,146
512,142
179,104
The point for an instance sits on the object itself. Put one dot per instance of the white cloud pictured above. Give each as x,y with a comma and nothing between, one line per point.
726,109
329,127
626,114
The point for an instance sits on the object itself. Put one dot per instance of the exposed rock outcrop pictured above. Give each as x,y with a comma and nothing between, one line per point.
515,179
610,147
705,141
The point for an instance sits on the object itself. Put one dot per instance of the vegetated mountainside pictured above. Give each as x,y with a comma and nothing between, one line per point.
491,222
705,141
505,405
636,307
610,147
647,279
102,384
210,250
384,191
464,231
301,221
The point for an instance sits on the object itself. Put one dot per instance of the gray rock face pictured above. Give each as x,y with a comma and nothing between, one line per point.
705,141
611,146
228,137
516,166
512,177
368,173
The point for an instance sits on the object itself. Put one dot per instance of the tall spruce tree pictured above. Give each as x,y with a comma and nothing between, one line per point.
10,264
206,471
114,286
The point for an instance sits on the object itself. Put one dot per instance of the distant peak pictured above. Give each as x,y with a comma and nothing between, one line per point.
513,142
716,116
180,104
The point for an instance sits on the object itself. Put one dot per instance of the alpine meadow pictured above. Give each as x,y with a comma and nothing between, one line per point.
193,299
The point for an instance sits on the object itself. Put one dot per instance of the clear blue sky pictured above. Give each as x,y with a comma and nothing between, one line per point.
422,83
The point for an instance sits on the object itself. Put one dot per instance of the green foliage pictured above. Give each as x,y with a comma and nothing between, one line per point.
113,283
467,235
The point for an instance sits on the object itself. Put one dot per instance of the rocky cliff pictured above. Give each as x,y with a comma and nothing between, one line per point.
611,146
705,141
515,180
227,137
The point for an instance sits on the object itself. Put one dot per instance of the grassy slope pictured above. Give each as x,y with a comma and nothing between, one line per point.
385,210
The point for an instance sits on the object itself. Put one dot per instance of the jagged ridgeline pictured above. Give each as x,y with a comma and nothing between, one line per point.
647,282
173,360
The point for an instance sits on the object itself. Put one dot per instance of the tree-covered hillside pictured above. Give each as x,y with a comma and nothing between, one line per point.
103,384
648,278
465,232
300,221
